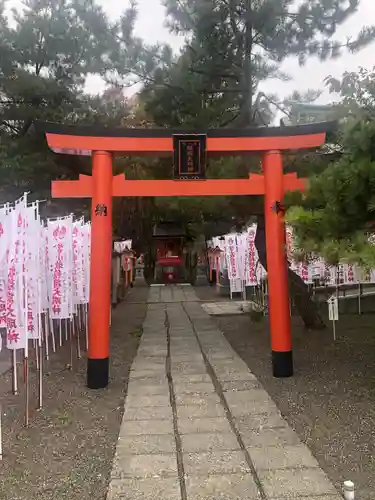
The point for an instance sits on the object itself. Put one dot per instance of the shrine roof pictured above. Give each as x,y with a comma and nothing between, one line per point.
168,230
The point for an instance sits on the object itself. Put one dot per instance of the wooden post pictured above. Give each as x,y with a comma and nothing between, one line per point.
126,273
210,258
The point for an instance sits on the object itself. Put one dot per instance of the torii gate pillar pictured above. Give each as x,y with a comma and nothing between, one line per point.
278,290
100,270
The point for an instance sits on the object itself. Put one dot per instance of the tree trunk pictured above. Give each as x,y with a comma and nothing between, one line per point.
305,306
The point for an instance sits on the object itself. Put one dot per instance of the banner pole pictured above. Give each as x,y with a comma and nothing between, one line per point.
14,372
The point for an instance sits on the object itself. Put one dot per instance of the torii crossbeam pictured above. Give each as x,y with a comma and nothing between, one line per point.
253,185
103,143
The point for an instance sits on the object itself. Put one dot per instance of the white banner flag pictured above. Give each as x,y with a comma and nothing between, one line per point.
32,270
232,257
251,258
59,254
16,298
4,253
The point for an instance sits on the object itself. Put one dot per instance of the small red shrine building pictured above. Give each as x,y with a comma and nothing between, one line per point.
169,240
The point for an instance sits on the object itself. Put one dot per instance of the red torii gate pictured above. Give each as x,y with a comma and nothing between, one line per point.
104,143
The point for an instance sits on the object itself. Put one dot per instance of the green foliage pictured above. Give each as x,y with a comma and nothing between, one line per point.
54,46
357,93
46,55
336,216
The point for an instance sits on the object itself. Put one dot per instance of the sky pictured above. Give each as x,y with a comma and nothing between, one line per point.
150,27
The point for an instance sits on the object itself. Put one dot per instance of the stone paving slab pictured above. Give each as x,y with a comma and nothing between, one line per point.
144,427
270,436
209,442
144,466
152,351
238,398
147,374
148,413
201,411
239,385
190,378
334,496
185,369
135,373
146,444
228,375
249,423
193,388
282,457
198,399
222,487
215,462
227,308
144,489
143,400
147,387
203,425
233,364
147,381
148,359
319,497
197,423
296,483
252,407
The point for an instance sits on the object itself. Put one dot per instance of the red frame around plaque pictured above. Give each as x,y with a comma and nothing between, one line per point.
178,140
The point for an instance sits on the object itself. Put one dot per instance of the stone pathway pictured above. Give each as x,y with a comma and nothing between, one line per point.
198,425
227,308
167,294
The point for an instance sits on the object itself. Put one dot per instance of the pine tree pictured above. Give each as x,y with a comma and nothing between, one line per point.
335,218
45,57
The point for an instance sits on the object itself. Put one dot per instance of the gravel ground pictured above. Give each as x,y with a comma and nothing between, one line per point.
67,451
330,401
4,361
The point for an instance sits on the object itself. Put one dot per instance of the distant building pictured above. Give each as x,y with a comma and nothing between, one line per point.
301,113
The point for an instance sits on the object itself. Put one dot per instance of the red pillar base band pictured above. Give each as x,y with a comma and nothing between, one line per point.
282,364
97,373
